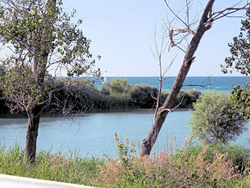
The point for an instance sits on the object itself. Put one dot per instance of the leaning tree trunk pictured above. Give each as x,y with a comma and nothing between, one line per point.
161,113
31,134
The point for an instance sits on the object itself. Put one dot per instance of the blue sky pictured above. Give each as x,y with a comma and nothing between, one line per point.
122,31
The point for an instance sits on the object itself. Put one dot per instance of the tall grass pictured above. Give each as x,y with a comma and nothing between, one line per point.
69,168
214,166
192,166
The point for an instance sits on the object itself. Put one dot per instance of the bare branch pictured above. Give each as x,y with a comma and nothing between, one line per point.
173,109
171,10
205,83
179,31
153,96
227,11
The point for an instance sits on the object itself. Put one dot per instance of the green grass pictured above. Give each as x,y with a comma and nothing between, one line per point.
57,167
193,166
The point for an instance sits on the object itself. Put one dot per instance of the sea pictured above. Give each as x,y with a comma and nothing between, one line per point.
204,84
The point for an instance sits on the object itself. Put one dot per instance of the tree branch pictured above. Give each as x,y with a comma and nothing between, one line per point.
173,109
227,11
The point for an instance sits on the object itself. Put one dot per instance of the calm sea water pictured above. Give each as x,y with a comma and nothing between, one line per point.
220,84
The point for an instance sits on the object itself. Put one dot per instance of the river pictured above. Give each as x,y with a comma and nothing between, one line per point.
92,134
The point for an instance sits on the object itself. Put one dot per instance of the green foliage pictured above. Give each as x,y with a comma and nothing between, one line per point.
215,165
240,60
207,167
79,96
117,85
239,48
125,150
18,83
187,98
213,120
40,36
86,97
68,168
239,155
105,88
144,95
112,102
240,102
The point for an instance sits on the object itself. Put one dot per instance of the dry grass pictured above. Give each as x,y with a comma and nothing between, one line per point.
192,166
170,170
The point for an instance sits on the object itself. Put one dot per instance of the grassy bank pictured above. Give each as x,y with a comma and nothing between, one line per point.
193,166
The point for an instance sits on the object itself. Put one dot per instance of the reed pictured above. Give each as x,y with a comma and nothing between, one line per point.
68,168
192,166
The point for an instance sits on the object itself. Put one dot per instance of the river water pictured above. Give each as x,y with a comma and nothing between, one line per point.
92,134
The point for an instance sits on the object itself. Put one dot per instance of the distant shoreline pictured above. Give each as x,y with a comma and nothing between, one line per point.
153,110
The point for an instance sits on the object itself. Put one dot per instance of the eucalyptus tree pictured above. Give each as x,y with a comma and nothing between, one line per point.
177,36
39,37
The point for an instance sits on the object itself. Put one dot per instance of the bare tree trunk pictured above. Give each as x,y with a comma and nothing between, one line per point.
161,113
31,134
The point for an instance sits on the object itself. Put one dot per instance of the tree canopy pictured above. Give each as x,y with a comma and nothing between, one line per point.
40,37
213,120
240,61
239,48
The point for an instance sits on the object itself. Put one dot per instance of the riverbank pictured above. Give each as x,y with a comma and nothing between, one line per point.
193,166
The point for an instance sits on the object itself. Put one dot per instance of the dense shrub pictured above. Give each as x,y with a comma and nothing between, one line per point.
207,167
112,102
213,120
83,96
105,91
3,108
240,100
144,96
187,98
239,155
117,85
79,96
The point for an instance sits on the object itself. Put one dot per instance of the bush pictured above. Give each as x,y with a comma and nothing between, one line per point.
168,170
239,155
114,95
213,120
187,98
114,101
143,96
80,95
117,85
240,100
4,109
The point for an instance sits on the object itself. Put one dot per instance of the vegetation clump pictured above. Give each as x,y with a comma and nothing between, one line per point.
214,120
117,94
215,165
